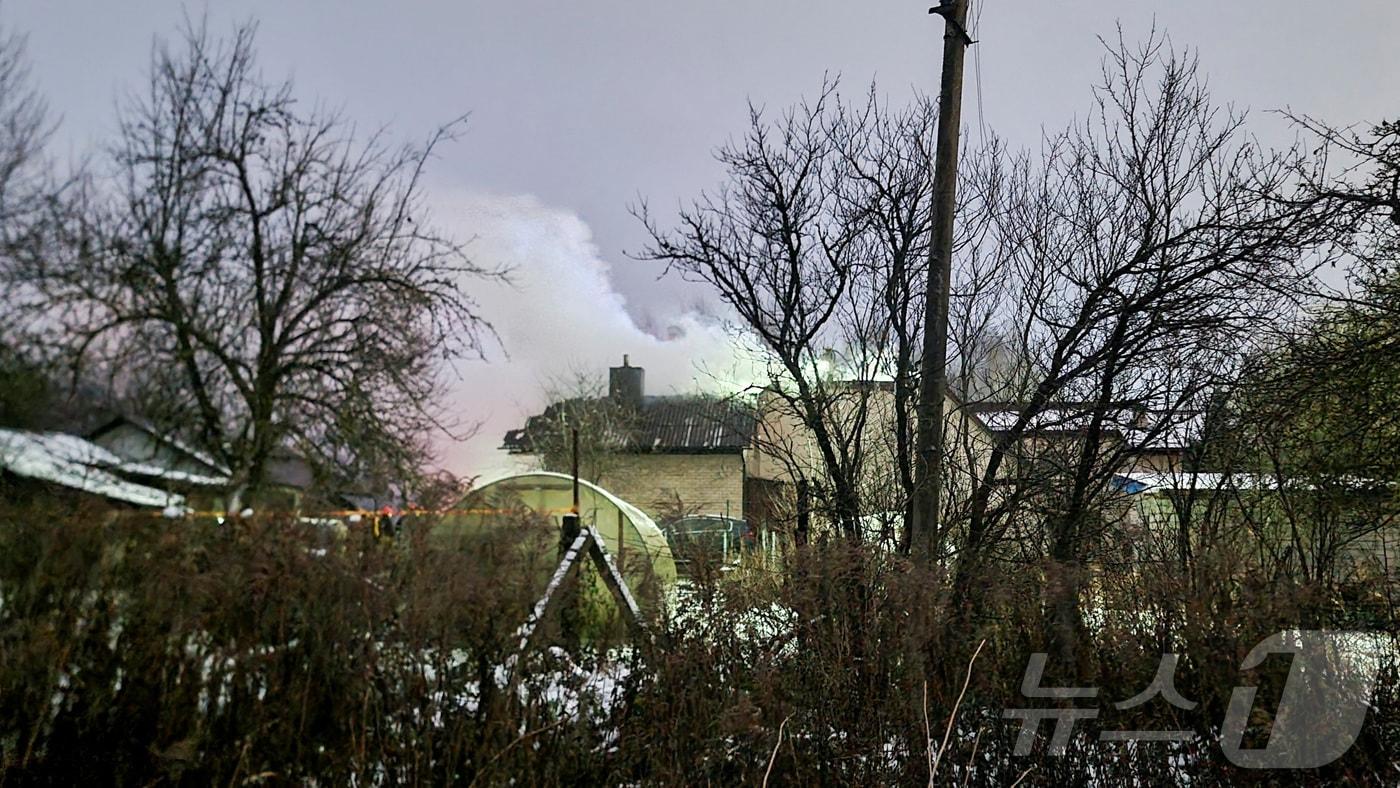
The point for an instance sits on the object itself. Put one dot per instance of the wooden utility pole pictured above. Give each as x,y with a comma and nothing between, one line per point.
570,536
933,371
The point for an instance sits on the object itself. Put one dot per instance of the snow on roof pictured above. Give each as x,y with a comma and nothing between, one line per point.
72,462
84,452
169,474
197,454
1144,430
1155,481
1051,419
70,448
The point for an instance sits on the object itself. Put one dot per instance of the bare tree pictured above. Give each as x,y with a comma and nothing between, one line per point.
1313,424
24,130
29,192
1147,249
579,401
1358,184
778,249
1104,291
817,241
259,276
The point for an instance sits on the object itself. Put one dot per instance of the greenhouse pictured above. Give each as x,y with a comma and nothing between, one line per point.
632,538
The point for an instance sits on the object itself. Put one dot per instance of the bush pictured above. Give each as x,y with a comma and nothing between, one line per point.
136,650
139,649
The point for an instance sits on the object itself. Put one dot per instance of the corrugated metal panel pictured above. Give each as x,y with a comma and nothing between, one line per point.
693,424
671,424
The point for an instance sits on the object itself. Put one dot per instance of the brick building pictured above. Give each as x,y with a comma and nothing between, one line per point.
667,455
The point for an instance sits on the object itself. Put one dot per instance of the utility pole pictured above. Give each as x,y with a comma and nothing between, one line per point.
933,370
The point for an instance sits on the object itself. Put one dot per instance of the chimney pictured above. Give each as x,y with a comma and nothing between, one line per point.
625,384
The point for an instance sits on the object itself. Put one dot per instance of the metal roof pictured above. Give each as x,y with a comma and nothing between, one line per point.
674,425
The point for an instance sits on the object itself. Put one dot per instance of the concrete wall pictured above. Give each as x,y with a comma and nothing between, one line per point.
703,483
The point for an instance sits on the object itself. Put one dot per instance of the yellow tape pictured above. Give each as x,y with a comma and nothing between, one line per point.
366,513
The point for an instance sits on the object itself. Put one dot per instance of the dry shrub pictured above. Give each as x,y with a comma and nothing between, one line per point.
139,650
819,676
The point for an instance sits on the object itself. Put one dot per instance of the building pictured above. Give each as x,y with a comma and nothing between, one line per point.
206,480
686,456
670,456
864,424
55,466
141,443
1139,439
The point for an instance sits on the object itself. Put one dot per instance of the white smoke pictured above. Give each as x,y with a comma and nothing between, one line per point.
561,316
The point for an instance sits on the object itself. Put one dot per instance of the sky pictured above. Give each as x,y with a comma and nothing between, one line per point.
579,110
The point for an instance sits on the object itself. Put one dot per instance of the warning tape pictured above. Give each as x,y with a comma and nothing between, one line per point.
366,513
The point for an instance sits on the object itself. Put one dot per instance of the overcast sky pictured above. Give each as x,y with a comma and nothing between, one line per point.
579,108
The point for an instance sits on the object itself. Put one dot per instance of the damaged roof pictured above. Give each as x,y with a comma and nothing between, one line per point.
663,425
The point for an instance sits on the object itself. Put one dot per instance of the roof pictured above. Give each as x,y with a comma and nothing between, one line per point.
1157,482
1134,482
72,462
284,468
1057,417
670,425
163,437
1145,431
154,471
